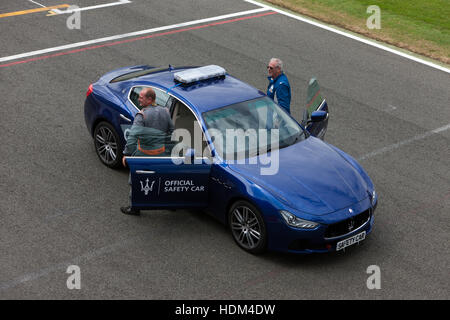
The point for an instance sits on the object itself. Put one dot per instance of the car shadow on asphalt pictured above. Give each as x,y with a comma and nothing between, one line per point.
214,226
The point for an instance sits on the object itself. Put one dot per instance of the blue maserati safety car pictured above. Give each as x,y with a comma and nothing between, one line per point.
239,156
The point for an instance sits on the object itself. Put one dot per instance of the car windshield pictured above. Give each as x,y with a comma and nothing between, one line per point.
250,128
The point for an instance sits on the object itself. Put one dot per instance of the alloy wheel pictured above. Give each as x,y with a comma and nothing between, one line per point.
245,227
106,145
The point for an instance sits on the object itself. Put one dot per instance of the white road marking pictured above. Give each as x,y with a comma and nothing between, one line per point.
37,3
126,35
404,142
352,36
57,11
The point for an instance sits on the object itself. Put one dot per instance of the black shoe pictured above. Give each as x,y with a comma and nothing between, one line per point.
130,211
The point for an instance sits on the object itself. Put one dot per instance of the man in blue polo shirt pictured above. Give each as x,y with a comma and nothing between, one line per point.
279,84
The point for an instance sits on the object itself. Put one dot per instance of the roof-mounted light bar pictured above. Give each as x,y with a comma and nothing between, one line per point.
198,74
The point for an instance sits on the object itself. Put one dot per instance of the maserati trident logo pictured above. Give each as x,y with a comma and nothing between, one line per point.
146,189
351,222
351,225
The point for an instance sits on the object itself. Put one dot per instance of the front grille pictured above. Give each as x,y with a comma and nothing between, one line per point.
343,227
302,244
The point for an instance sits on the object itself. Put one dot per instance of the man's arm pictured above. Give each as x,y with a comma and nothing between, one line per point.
284,96
139,119
130,146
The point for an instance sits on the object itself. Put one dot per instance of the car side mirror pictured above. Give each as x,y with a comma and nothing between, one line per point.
318,116
304,121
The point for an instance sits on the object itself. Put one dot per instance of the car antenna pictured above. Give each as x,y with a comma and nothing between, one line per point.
170,89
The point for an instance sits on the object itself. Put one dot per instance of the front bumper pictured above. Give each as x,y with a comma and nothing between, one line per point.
325,237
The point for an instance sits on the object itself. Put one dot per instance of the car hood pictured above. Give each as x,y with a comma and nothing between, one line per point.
312,177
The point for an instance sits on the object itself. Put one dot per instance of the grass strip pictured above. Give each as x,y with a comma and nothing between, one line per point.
419,26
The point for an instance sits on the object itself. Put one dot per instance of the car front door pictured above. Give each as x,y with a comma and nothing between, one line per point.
315,102
179,178
165,182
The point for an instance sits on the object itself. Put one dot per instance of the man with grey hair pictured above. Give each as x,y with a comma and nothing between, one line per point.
279,86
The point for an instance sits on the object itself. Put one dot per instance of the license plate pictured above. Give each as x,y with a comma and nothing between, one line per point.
350,241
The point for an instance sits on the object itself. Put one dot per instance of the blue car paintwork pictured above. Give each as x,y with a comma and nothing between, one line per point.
285,191
316,181
205,96
301,185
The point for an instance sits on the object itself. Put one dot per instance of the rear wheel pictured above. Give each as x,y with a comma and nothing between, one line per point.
247,227
108,145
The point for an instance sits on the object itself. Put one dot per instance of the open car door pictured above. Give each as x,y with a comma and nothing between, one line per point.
166,182
315,102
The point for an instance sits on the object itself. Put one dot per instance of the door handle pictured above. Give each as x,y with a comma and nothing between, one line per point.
125,118
145,172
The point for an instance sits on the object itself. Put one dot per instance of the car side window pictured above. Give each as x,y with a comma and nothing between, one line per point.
161,96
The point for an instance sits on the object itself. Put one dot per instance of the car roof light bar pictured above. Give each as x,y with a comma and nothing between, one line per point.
197,74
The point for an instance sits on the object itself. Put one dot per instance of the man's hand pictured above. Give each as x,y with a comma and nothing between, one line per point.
124,161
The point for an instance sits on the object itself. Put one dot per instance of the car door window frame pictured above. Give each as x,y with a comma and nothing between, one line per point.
146,86
173,101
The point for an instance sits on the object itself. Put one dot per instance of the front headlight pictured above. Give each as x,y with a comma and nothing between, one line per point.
373,197
296,222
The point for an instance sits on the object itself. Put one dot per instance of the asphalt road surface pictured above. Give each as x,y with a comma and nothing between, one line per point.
60,206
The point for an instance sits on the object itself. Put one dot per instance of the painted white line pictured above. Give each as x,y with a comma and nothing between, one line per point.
126,35
444,128
37,3
57,11
404,142
352,36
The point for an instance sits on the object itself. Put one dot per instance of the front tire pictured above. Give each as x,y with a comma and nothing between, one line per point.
247,227
107,145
